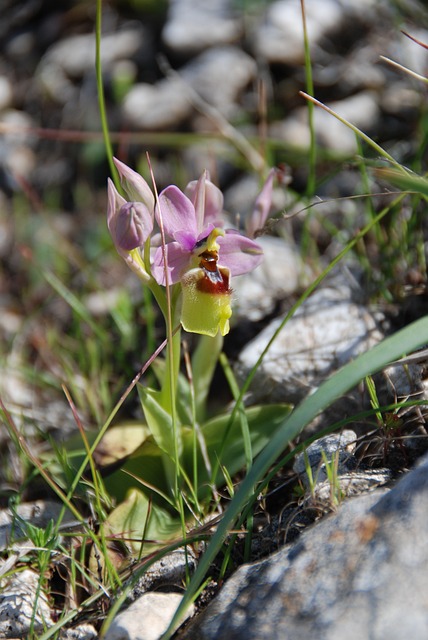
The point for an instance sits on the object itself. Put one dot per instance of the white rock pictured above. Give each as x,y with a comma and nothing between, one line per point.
115,46
59,65
327,331
206,75
280,39
195,25
145,619
280,274
361,110
160,106
407,52
18,602
17,126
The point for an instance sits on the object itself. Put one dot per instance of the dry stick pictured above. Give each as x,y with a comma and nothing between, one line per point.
419,42
409,72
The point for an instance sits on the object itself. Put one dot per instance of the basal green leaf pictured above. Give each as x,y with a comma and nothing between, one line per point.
158,420
183,398
144,465
143,526
224,443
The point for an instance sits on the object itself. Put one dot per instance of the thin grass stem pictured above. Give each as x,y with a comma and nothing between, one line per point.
311,181
101,102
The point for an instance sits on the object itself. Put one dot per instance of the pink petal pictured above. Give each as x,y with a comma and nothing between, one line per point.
186,239
177,213
262,206
178,262
238,253
213,206
196,193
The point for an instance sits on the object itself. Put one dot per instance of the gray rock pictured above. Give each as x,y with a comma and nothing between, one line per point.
38,514
341,444
360,573
169,571
81,632
146,619
326,486
327,331
195,25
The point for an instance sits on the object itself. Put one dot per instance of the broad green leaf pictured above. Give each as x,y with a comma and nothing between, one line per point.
263,421
119,442
145,464
143,526
158,420
183,398
165,431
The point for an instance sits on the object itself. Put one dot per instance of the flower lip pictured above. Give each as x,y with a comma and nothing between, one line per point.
214,282
206,304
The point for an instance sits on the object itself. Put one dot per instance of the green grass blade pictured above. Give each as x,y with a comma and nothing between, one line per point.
363,136
410,182
311,181
101,101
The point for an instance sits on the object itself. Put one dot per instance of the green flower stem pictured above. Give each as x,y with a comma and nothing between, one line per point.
169,385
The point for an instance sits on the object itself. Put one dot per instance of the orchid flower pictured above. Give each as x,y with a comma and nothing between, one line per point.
198,254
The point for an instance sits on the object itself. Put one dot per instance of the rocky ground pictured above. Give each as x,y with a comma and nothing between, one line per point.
216,85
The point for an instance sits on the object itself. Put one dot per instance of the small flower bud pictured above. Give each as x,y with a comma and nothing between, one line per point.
132,226
135,186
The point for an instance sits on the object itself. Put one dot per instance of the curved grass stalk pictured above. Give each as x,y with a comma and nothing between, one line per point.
310,187
101,101
359,133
